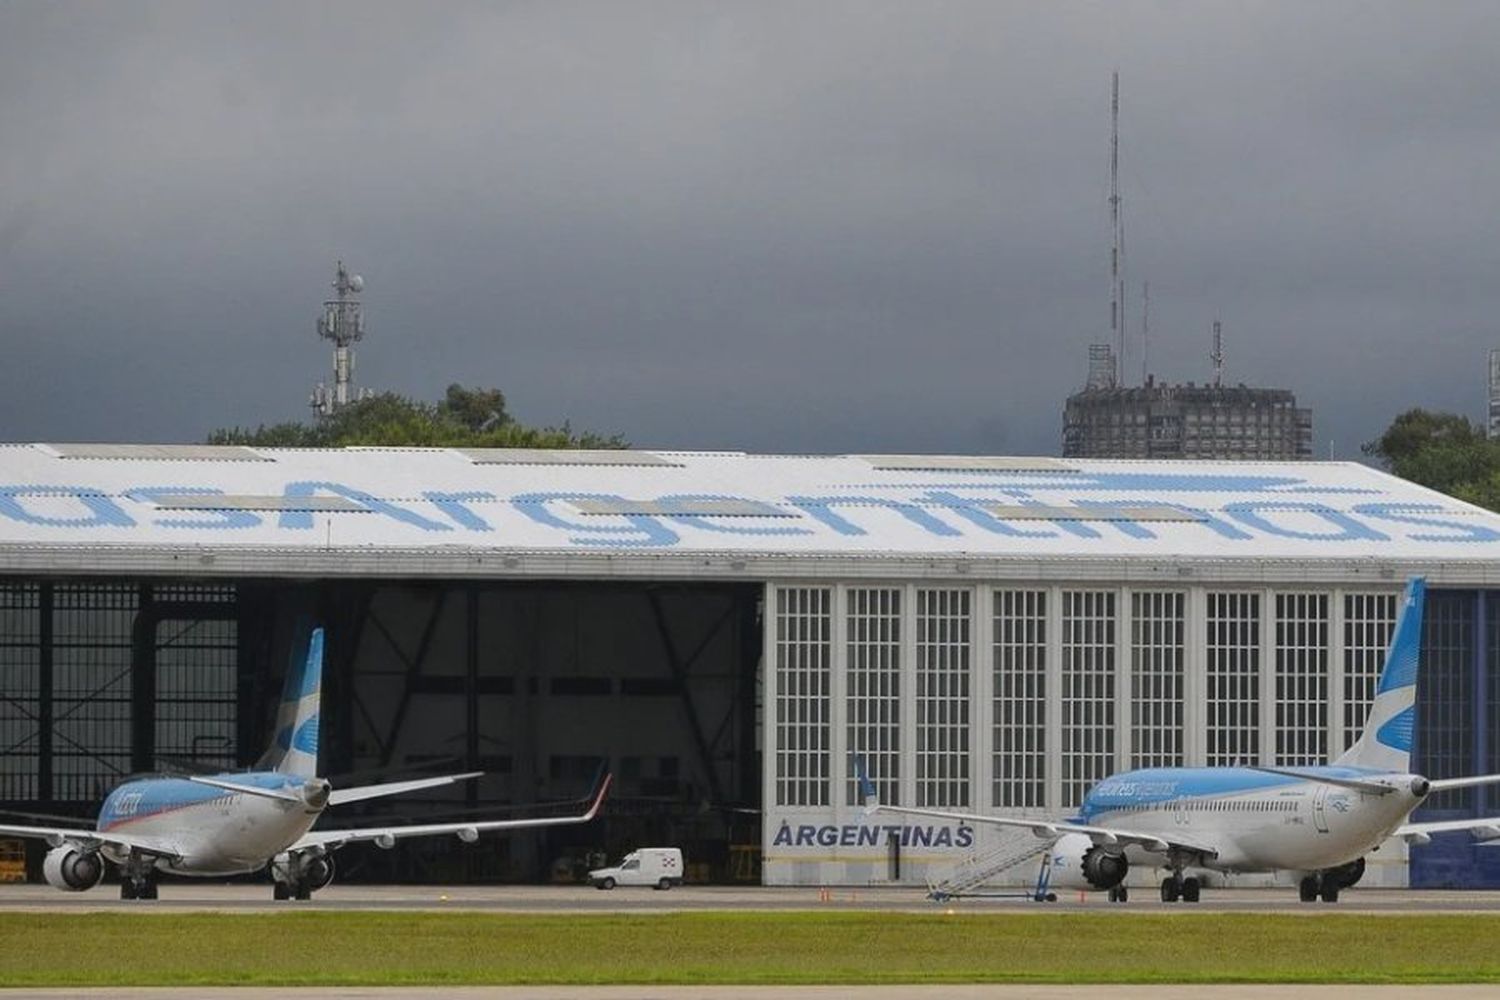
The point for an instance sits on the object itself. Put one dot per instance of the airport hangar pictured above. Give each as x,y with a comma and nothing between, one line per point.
726,631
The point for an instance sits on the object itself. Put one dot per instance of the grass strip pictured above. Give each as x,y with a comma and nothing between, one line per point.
376,949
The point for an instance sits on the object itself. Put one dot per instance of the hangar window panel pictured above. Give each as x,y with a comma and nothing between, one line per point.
91,668
873,700
1233,679
197,673
1368,621
1020,709
20,702
1156,678
943,627
1088,695
1301,679
1445,687
804,631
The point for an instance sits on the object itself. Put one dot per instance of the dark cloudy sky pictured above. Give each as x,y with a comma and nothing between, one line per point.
800,226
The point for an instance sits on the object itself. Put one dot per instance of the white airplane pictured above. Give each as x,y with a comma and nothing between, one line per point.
1320,821
241,822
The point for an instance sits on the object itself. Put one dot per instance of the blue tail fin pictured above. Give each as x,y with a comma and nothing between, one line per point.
295,747
1385,743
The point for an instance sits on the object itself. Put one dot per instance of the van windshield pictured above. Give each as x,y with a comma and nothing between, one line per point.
630,865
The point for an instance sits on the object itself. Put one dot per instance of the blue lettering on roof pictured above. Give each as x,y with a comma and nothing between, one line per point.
735,525
637,531
972,509
821,508
1402,513
103,512
214,520
302,520
1250,512
453,505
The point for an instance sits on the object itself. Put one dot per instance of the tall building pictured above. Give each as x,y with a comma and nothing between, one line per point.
1494,426
1158,420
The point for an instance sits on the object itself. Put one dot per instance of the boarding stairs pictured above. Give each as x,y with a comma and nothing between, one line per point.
979,869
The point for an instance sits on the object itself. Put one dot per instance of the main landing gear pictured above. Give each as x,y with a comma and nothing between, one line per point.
1119,894
1319,885
1177,888
138,879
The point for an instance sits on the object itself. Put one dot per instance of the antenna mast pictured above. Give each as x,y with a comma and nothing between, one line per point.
1145,331
1217,357
342,322
1117,225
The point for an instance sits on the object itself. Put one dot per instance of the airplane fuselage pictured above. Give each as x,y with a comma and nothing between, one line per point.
1253,821
208,831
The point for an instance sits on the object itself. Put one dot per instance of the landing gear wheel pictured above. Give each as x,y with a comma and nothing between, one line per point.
303,890
1170,890
280,891
1119,894
1330,891
1190,890
1307,889
127,889
146,891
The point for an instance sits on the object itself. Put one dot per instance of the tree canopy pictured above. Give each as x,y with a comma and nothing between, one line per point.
465,418
1445,451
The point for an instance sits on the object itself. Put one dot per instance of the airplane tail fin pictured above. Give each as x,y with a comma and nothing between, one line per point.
867,795
1385,743
295,748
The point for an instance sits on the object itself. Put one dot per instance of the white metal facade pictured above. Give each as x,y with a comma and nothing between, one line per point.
1021,697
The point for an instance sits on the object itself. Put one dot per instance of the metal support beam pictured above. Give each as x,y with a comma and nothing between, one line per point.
44,790
679,671
413,670
1480,697
143,683
471,692
748,665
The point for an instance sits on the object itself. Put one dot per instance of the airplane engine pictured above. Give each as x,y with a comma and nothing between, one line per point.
72,869
1077,863
1347,875
318,872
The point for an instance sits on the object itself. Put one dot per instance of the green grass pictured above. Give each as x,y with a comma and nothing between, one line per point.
348,949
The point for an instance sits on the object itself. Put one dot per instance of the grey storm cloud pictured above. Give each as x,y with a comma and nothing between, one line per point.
769,226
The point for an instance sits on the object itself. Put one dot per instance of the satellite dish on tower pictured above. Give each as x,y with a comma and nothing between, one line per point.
356,283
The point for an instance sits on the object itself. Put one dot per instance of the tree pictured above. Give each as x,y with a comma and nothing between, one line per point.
466,418
1445,451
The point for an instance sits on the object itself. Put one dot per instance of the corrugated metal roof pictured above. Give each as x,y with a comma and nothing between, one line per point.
436,507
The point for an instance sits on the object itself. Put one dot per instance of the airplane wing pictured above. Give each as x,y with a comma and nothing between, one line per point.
1101,835
1421,833
91,840
385,836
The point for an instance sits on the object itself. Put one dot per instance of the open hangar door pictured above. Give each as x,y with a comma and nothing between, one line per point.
541,685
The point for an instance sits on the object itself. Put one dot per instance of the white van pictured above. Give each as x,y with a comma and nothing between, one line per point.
658,867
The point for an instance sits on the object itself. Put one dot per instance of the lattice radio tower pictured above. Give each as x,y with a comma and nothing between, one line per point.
342,322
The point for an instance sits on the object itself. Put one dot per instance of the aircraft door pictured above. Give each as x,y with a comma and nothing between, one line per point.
1320,808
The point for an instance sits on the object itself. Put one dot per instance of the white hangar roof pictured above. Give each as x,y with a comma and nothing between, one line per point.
202,510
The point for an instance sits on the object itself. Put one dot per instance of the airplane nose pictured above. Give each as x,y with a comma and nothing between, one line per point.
1420,787
315,793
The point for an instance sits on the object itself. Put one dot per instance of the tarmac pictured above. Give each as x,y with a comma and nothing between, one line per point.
247,897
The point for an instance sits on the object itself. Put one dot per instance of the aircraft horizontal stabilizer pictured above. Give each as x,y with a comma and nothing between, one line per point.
1443,784
232,786
1368,787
